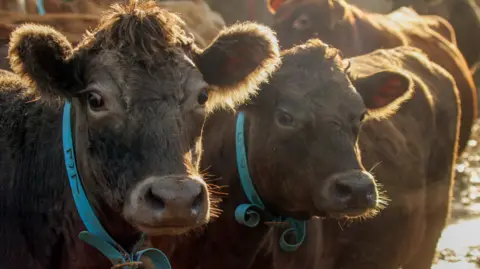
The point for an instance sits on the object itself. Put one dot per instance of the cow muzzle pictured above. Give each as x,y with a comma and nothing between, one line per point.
348,194
168,205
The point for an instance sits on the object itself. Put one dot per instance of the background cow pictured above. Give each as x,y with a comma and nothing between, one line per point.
302,130
356,32
464,16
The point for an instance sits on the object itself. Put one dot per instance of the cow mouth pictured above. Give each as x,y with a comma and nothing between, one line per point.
152,230
352,214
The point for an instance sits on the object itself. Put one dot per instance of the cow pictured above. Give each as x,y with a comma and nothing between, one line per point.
138,90
356,32
312,134
463,15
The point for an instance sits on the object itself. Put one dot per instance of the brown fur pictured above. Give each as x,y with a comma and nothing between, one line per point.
200,19
463,15
73,23
73,26
356,32
411,153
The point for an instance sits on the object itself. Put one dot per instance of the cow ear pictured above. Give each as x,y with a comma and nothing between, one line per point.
237,61
383,92
273,5
40,55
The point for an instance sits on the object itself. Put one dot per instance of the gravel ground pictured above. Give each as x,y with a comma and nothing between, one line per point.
459,247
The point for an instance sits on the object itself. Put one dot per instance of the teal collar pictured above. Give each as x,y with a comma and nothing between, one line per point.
249,214
95,235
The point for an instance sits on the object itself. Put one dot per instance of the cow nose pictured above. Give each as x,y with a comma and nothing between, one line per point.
168,205
351,193
184,198
355,192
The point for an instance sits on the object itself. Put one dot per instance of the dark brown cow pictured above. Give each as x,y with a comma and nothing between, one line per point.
464,16
302,132
355,32
139,91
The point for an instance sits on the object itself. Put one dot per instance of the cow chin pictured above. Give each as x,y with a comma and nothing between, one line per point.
158,231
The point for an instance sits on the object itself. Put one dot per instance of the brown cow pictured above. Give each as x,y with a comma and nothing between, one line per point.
139,90
464,16
356,32
302,131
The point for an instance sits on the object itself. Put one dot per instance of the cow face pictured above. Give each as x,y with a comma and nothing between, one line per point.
140,92
296,21
302,134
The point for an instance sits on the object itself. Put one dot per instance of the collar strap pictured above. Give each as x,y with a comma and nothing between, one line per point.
249,214
96,236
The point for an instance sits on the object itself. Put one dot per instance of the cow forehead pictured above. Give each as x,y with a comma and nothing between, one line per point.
168,81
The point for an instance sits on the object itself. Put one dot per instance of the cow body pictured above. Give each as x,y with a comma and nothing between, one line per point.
410,151
416,170
139,90
463,15
356,32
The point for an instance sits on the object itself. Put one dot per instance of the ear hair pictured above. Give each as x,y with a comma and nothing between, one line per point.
40,56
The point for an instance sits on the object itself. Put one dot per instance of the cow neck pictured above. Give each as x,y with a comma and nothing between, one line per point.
96,236
249,214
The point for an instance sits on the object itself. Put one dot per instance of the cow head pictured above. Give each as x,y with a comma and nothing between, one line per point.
140,91
303,128
296,21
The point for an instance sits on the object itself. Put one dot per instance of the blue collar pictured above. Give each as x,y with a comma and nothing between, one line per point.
95,235
249,214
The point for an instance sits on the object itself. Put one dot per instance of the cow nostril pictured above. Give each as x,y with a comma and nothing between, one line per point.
154,200
343,191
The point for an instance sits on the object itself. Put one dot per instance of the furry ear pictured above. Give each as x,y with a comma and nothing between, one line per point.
40,55
237,61
383,92
273,5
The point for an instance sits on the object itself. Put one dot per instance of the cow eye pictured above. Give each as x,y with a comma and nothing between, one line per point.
284,119
202,97
302,22
95,100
